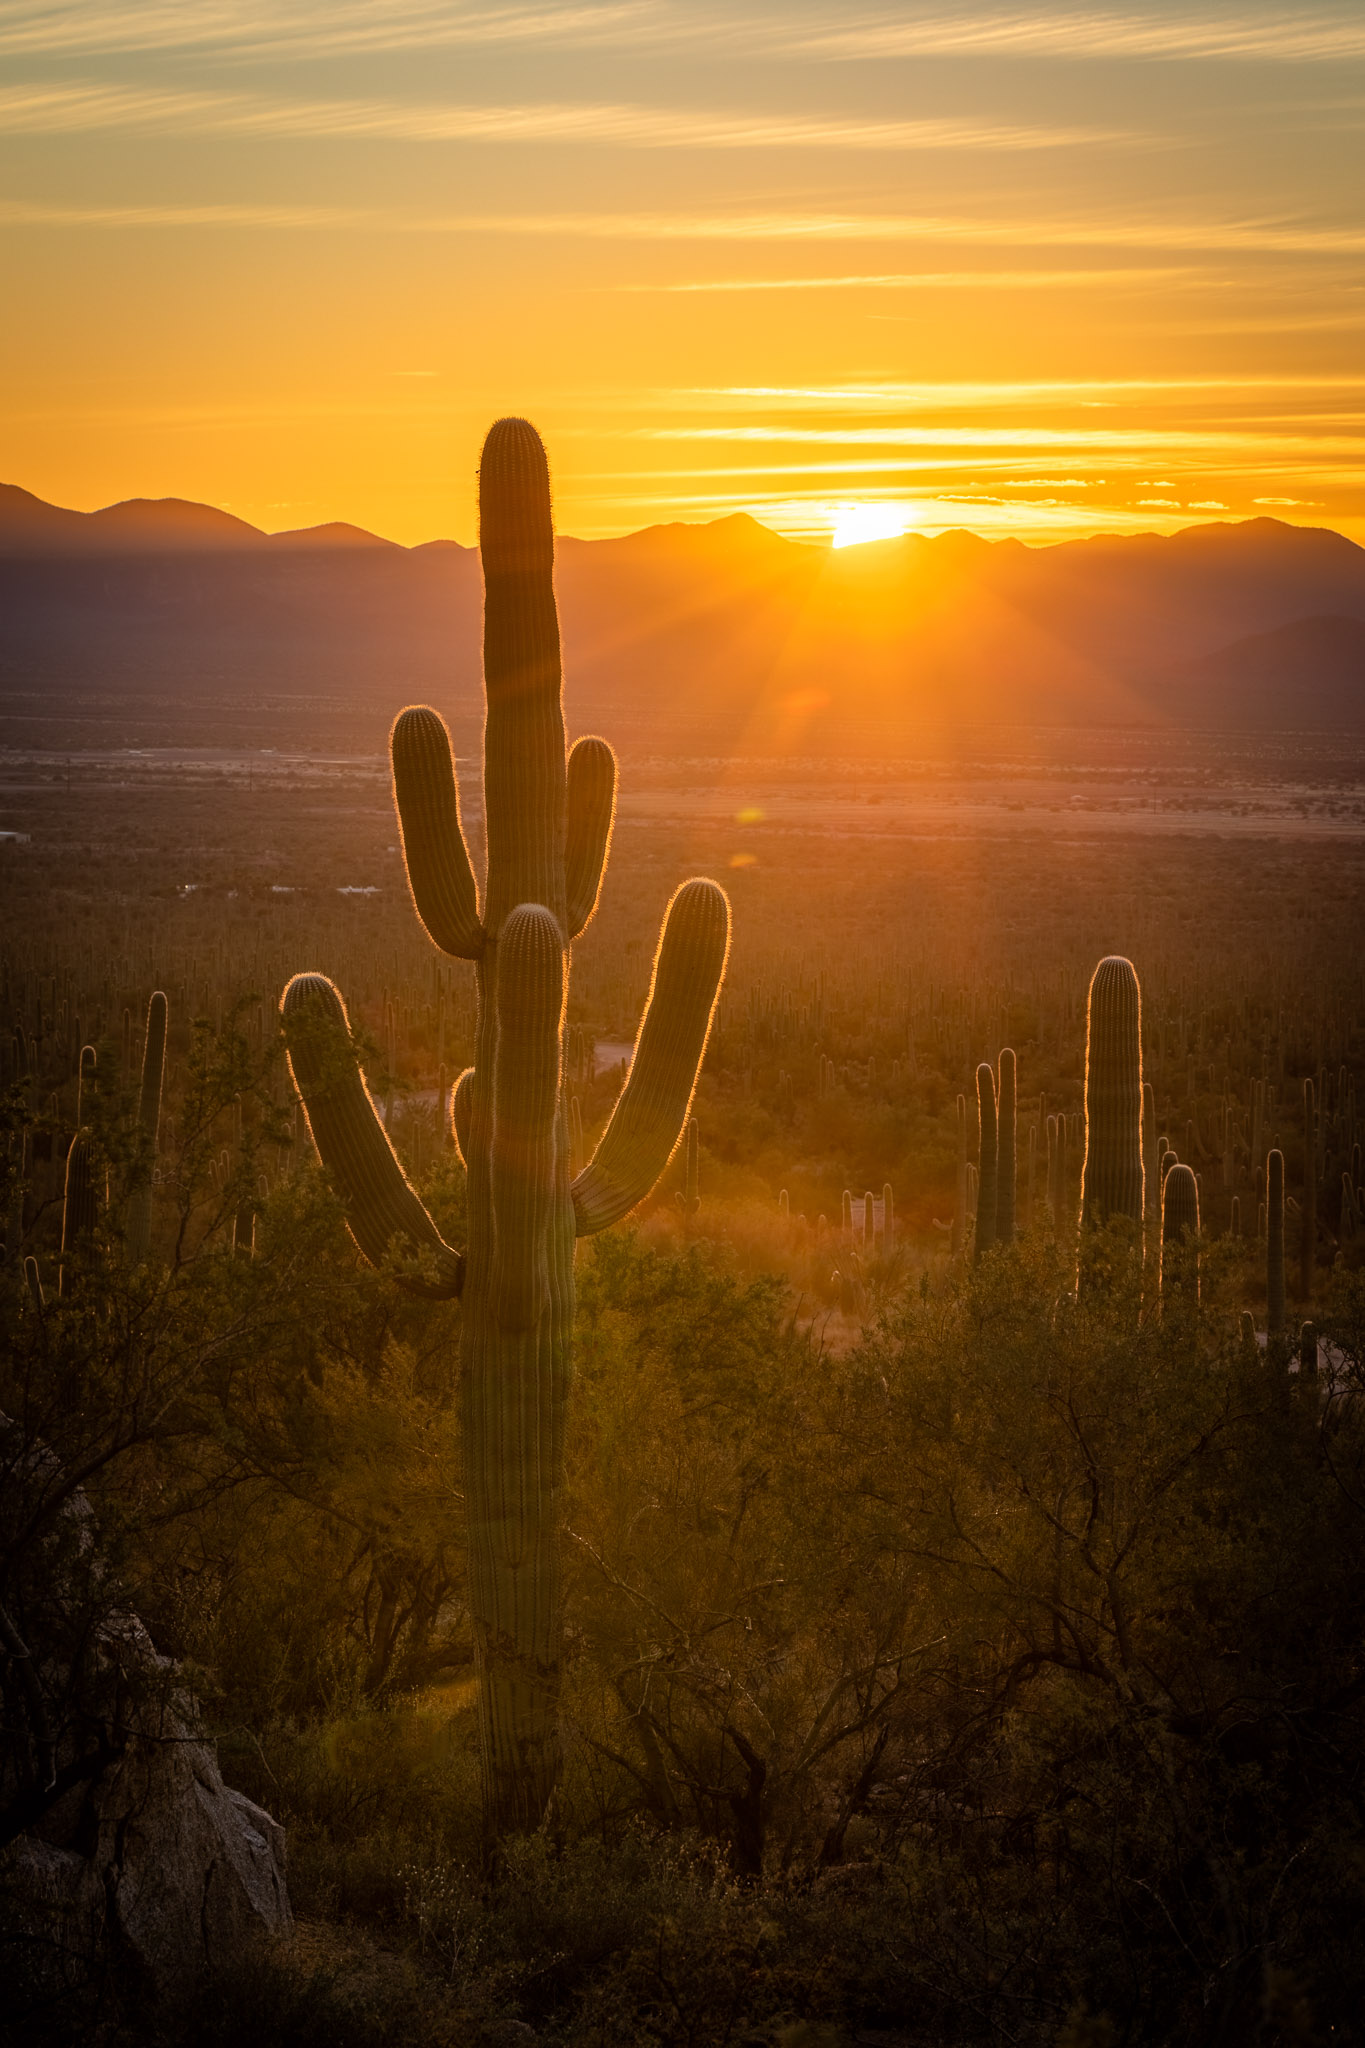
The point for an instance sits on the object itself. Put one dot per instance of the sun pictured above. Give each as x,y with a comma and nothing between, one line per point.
854,524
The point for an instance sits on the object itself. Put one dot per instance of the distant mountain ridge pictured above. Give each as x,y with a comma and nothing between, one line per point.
722,636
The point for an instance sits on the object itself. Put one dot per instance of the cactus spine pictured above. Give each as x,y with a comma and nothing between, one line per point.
988,1168
1274,1243
1112,1176
548,828
1008,1167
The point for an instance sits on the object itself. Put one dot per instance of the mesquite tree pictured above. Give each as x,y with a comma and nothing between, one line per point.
549,825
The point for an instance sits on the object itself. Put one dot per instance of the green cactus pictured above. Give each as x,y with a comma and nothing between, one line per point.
1179,1228
1308,1354
989,1159
1274,1244
1112,1175
138,1227
1008,1166
548,827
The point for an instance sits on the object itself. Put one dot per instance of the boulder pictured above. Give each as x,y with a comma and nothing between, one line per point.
129,1865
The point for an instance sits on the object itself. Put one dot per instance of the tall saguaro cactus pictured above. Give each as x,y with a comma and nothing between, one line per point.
1111,1179
988,1168
549,826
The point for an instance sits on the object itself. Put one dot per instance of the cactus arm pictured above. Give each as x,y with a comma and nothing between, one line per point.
649,1116
439,873
461,1110
525,1112
352,1143
591,812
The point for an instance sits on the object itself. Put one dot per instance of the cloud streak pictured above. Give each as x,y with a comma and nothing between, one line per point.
925,280
1249,34
351,27
72,108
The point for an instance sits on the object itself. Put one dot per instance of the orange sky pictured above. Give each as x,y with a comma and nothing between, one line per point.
1040,271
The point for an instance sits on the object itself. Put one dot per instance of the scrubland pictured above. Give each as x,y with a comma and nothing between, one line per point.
951,1656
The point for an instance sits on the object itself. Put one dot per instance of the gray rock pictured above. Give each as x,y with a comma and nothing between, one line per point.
147,1872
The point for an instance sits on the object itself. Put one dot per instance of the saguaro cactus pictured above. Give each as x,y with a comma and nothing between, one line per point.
1274,1243
1179,1228
988,1169
1111,1178
138,1228
1008,1172
1308,1210
548,830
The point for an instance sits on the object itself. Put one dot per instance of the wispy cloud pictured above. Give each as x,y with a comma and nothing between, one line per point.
309,28
925,280
1280,236
314,28
40,214
1249,34
70,108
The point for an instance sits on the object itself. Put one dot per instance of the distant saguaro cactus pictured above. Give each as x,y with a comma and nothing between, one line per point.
138,1226
1111,1178
548,829
1008,1171
1179,1228
1274,1244
79,1202
1308,1212
959,1236
988,1167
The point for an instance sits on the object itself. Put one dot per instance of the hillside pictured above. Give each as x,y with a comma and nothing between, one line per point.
723,637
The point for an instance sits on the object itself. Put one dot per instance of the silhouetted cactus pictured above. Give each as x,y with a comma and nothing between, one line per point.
1274,1244
548,826
1008,1165
138,1227
959,1236
79,1204
988,1166
1308,1210
1111,1178
1179,1228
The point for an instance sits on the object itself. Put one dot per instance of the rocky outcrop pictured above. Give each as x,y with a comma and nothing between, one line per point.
127,1864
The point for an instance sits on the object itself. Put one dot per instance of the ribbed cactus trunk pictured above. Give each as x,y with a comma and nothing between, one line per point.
1111,1178
518,1294
548,830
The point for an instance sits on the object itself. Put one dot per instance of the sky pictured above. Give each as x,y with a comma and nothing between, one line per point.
1038,271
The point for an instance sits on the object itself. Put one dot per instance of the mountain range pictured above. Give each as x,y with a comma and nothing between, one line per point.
722,637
